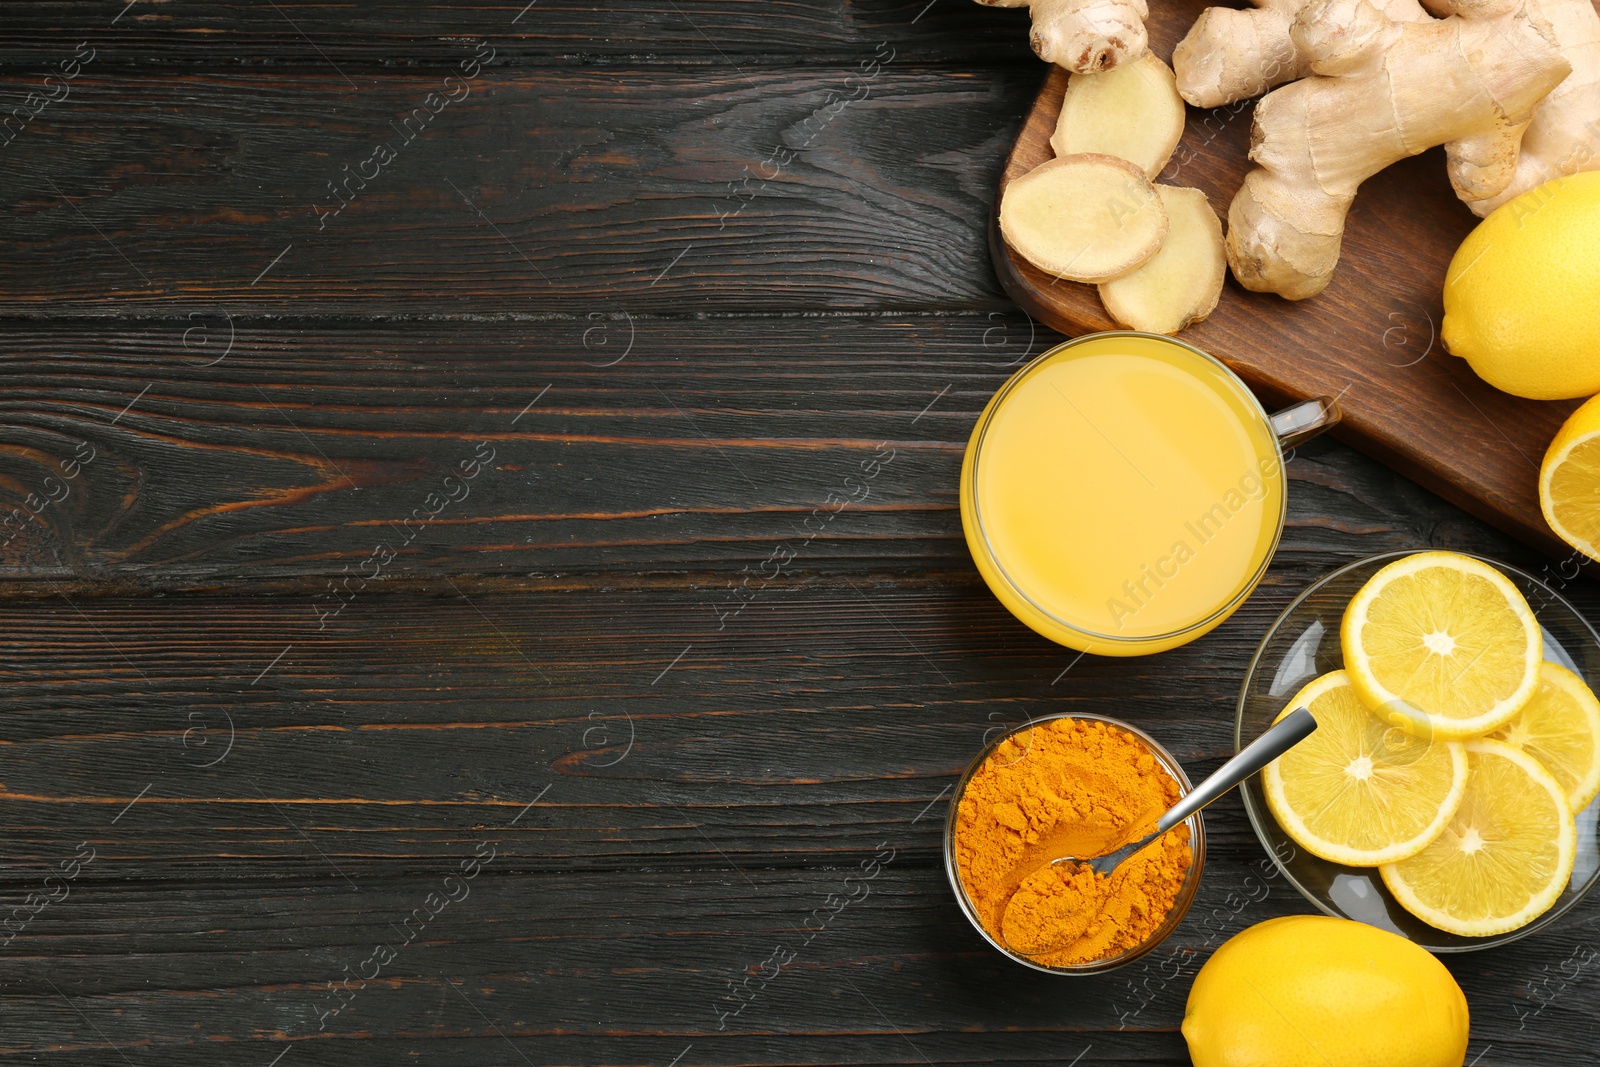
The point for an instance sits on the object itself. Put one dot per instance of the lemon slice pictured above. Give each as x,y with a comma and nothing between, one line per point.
1359,791
1506,855
1560,727
1442,645
1569,481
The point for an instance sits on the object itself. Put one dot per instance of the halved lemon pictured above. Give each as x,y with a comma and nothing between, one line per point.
1442,645
1569,480
1560,727
1506,855
1359,791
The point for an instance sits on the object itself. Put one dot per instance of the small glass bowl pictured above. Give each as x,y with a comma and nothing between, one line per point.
1180,904
1304,643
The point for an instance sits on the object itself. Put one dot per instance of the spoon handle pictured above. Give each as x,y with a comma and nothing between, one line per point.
1290,731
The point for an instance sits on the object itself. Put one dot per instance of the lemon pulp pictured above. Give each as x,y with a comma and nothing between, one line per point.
1360,791
1442,645
1504,858
1569,480
1560,727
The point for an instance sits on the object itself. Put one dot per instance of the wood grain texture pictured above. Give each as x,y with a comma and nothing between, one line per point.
564,190
279,742
694,793
620,445
812,724
1370,339
676,32
634,969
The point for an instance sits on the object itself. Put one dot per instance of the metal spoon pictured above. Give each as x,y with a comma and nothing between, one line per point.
1288,732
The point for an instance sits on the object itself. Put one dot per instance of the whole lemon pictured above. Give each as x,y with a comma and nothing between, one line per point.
1315,990
1522,296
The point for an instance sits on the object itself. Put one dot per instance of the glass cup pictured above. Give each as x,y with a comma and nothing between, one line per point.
1123,493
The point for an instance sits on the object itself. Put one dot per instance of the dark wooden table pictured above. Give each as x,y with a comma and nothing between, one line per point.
410,548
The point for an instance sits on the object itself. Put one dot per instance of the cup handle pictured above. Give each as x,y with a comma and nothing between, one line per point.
1300,423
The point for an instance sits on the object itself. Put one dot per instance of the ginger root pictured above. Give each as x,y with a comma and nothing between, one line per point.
1564,136
1133,112
1085,218
1085,36
1380,90
1181,283
1231,54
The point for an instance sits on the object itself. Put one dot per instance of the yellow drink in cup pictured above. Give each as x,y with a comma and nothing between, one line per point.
1123,493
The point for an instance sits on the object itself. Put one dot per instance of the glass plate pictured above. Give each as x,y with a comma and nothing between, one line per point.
1304,643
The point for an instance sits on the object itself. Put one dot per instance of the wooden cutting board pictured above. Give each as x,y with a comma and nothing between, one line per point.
1370,338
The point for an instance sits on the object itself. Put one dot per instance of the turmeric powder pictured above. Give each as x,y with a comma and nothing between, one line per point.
1069,787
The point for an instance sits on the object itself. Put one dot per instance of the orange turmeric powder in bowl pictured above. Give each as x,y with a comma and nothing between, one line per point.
1071,785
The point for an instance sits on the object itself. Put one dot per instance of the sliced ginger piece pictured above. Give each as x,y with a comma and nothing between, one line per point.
1181,283
1132,111
1086,218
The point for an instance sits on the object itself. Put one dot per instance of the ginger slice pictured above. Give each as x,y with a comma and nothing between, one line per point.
1181,283
1133,112
1086,218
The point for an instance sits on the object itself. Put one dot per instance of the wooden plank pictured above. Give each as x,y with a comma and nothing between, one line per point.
618,444
561,190
709,780
688,828
807,718
641,968
621,446
245,736
272,789
572,974
1371,339
236,32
